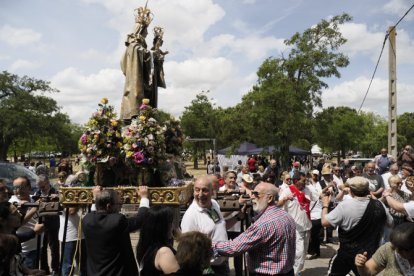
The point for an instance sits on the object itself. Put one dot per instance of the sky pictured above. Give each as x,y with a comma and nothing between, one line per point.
214,45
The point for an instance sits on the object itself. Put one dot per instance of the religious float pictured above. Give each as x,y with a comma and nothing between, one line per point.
139,147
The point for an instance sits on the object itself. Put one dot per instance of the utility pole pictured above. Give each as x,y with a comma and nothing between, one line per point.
392,93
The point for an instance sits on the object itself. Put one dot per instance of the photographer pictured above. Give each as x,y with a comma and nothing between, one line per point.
406,156
22,188
232,232
51,222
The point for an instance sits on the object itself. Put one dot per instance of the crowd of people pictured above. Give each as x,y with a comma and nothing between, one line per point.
283,218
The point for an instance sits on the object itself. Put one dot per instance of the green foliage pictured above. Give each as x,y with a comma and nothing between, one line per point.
198,121
279,108
405,127
375,134
27,116
338,129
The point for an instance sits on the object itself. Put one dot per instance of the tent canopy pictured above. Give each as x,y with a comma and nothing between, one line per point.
242,149
249,148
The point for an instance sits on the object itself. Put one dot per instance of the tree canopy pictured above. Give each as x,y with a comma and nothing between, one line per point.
27,115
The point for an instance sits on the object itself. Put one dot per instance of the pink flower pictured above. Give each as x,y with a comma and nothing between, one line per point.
143,107
138,157
84,139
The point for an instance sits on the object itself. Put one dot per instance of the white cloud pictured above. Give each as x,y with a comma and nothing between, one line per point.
22,64
18,36
186,25
361,40
399,7
201,73
351,93
255,48
79,93
405,47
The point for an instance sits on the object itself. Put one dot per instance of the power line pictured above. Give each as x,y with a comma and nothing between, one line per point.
382,50
375,70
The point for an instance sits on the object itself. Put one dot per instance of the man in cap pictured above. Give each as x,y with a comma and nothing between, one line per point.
360,220
246,185
329,186
244,170
295,169
315,212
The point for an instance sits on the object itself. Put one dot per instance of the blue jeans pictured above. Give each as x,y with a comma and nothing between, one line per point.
68,254
30,259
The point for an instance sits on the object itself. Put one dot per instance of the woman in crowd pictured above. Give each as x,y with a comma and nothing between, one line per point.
394,258
193,254
232,232
395,183
62,176
155,254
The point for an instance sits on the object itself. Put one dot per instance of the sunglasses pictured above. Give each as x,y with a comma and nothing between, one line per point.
256,194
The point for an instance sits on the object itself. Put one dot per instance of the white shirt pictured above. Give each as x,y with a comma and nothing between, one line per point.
72,228
409,208
315,205
293,208
198,219
31,244
337,180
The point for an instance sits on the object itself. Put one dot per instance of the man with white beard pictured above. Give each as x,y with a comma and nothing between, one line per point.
269,241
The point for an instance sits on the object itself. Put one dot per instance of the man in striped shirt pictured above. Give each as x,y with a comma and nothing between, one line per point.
269,241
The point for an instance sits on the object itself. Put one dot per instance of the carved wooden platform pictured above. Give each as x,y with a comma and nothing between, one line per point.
158,195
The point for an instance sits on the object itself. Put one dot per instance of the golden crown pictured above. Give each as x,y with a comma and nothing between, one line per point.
158,32
143,16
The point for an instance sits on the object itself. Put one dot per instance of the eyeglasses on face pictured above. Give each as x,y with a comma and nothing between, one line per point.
18,187
256,194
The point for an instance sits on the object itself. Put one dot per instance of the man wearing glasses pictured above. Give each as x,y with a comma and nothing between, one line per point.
270,239
22,189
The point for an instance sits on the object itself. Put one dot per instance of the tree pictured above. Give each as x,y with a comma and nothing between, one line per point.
375,134
280,106
26,114
339,129
197,121
405,128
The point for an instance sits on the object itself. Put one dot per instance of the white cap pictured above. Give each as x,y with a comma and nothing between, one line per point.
315,172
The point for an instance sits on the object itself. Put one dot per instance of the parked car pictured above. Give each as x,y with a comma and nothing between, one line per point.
359,161
9,171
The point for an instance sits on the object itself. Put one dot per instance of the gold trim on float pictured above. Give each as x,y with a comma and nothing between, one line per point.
158,195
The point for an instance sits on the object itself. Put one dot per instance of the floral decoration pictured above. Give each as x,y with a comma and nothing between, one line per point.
102,137
143,140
